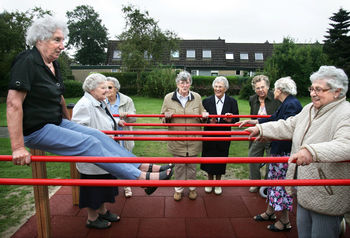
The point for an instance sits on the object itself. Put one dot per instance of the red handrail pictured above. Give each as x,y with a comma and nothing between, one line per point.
166,160
191,116
174,183
189,124
176,132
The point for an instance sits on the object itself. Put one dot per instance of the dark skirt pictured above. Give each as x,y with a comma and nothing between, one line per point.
94,197
215,149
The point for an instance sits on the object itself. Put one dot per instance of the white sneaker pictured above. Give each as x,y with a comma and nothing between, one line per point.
127,192
208,189
253,189
218,190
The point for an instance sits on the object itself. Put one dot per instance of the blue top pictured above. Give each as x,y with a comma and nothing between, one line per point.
290,107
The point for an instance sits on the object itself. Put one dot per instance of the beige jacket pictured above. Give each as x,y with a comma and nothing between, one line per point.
193,107
326,134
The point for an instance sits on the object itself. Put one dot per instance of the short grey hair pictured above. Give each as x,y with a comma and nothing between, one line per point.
286,85
183,76
259,78
92,81
220,79
43,29
114,81
335,77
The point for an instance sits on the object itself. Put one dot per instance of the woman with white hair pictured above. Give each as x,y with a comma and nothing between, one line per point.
277,197
123,105
320,137
37,116
218,104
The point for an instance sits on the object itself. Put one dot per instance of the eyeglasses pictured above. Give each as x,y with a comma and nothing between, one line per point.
110,87
318,90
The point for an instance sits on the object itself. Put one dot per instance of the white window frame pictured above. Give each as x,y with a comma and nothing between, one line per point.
244,56
206,53
191,54
230,56
175,54
259,56
117,54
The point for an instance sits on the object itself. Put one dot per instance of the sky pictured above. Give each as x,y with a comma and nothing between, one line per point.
236,21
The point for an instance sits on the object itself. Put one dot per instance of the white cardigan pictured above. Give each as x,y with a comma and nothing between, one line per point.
88,112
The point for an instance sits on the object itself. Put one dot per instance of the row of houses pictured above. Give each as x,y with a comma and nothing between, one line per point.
209,57
200,57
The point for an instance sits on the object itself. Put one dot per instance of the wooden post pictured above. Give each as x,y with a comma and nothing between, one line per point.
74,174
41,196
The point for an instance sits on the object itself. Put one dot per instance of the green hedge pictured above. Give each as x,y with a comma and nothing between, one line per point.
73,89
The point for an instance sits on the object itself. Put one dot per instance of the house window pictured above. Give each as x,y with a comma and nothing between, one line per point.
146,55
117,54
243,56
259,56
229,56
175,54
207,54
190,54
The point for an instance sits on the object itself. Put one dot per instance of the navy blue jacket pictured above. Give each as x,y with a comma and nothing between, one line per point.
290,107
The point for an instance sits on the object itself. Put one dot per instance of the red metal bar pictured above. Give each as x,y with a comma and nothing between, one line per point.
191,116
176,132
188,124
185,138
174,183
165,160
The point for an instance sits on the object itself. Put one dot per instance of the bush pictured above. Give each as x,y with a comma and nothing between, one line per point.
159,82
203,84
246,90
127,81
73,89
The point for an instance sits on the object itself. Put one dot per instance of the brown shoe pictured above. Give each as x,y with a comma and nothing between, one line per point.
192,195
177,196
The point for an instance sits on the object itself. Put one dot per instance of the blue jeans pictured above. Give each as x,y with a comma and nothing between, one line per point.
315,225
70,138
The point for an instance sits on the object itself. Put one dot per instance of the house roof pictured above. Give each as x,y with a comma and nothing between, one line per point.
218,49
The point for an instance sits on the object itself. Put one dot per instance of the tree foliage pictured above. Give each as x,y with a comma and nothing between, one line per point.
297,61
143,43
337,43
88,35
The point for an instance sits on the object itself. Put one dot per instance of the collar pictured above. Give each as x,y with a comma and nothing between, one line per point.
217,99
178,95
93,100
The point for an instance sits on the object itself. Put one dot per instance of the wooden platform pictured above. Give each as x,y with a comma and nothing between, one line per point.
158,215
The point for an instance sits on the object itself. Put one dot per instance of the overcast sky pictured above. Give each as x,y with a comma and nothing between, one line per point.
246,21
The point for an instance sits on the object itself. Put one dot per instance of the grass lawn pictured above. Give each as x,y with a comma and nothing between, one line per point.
16,202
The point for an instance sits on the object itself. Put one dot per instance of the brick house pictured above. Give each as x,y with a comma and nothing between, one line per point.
208,57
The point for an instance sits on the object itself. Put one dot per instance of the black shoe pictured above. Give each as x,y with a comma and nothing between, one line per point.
286,227
162,176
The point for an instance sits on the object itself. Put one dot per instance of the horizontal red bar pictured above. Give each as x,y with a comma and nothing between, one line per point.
176,132
184,138
188,124
190,116
174,183
165,160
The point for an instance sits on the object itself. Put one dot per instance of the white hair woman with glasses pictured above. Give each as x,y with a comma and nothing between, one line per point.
320,147
277,197
123,105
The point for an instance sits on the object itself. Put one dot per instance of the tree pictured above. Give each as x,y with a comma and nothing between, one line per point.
337,43
297,61
143,43
13,26
88,35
